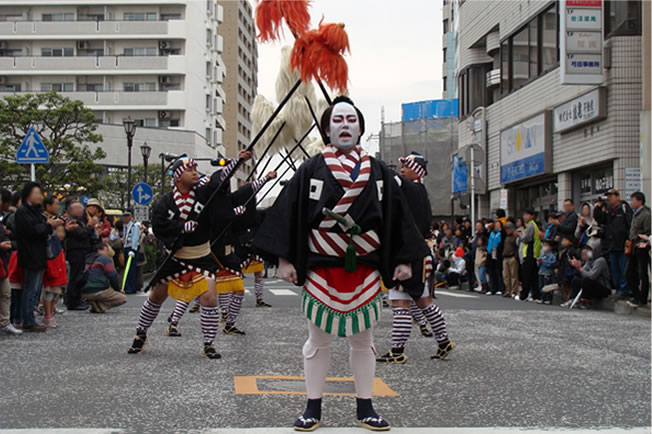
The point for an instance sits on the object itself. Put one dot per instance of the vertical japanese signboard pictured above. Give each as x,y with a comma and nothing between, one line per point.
580,27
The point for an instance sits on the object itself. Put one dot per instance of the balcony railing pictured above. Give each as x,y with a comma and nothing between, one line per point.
92,29
102,64
164,100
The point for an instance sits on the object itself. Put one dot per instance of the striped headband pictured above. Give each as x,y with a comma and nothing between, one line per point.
181,165
411,162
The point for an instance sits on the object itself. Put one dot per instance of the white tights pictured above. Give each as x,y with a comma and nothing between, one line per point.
317,354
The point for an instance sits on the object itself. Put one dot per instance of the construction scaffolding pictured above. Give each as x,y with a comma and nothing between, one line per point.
436,139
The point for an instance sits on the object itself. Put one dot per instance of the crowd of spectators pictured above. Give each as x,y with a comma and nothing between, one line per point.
602,251
52,251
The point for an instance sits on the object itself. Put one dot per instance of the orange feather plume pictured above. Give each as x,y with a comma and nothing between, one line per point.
318,54
296,15
270,14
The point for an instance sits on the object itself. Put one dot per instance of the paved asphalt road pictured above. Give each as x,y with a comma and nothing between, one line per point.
517,365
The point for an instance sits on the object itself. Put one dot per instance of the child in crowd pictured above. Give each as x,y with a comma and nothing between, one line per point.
547,261
566,272
510,261
481,265
54,280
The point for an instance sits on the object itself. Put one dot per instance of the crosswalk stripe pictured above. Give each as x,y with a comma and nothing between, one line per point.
282,292
452,294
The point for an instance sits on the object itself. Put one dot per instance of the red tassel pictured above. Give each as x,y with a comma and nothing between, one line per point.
318,54
268,20
296,15
270,14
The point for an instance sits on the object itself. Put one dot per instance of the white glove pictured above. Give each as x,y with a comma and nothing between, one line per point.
189,227
402,272
286,271
132,253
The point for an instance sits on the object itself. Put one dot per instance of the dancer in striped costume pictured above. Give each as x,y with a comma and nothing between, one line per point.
229,285
405,303
178,218
340,258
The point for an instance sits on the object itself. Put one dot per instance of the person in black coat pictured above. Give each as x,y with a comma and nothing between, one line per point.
32,232
80,241
568,226
616,218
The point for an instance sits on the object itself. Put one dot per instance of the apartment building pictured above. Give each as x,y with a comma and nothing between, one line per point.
158,62
240,85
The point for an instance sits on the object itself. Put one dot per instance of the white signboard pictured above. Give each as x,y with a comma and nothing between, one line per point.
632,181
585,18
141,213
589,42
503,198
525,149
580,23
582,110
582,64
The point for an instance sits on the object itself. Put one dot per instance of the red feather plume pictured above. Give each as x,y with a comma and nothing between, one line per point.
268,20
270,14
296,15
318,54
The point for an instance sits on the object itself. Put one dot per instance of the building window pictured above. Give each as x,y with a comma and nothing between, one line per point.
530,52
57,52
140,16
10,88
550,42
444,54
139,51
57,87
139,87
622,18
445,26
168,17
473,88
59,16
94,87
151,123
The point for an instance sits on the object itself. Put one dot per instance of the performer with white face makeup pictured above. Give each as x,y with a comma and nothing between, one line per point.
338,227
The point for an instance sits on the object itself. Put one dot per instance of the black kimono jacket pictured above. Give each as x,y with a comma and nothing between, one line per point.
169,228
381,206
417,199
220,238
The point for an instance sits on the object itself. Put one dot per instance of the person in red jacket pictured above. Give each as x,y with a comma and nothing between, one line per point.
55,279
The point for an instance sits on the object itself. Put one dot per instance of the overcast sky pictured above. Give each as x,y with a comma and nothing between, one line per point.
396,54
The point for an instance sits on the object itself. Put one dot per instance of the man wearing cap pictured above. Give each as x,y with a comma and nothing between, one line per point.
616,219
130,240
411,181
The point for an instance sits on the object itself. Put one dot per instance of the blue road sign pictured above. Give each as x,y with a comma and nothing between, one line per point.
32,150
142,193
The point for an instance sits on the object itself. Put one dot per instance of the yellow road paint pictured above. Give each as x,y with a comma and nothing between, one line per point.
247,385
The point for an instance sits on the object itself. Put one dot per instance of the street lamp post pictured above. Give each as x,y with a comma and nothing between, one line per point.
130,130
145,150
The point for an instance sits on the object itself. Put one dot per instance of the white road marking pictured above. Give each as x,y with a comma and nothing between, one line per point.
282,292
452,294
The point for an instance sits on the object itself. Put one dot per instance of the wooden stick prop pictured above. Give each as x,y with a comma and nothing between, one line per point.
260,158
228,226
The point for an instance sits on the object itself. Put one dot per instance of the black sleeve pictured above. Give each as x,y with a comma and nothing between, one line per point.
167,230
31,228
282,233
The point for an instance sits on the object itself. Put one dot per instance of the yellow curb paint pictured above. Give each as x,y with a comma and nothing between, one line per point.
247,385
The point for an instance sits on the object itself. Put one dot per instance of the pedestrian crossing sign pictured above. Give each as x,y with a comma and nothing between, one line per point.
32,150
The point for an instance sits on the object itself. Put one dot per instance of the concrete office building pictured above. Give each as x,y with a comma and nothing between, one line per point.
240,85
546,141
157,61
449,48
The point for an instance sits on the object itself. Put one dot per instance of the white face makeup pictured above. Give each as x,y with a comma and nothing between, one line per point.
344,131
